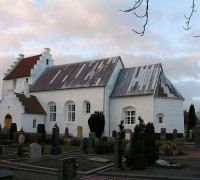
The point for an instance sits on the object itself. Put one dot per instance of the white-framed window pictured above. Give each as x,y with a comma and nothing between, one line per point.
130,115
52,112
47,62
34,123
71,112
88,107
160,118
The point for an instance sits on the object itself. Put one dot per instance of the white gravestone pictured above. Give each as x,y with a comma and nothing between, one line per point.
34,153
21,139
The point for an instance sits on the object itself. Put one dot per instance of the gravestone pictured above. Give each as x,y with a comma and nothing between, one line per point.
21,139
5,131
162,163
34,153
66,168
174,133
84,145
118,154
66,132
55,150
197,136
179,142
190,134
114,134
92,137
79,132
128,134
163,134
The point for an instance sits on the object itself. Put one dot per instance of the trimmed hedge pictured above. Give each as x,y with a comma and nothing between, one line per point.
29,137
104,147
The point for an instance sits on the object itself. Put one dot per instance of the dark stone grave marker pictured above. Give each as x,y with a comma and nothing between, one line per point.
197,136
163,134
118,154
114,134
92,137
66,132
66,168
174,133
84,145
55,150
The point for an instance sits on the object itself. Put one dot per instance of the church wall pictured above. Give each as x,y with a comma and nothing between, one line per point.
108,91
172,110
27,122
143,106
61,98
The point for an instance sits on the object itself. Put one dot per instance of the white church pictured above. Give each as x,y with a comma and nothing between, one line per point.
35,91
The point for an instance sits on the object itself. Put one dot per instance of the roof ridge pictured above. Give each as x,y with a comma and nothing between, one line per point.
144,65
86,61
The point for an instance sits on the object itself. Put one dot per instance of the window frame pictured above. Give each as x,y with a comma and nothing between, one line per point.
52,112
71,112
160,115
34,123
129,116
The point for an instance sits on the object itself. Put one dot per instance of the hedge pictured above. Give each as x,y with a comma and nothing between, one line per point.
29,137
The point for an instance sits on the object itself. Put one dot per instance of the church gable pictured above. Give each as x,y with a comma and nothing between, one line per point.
165,88
23,68
136,81
94,73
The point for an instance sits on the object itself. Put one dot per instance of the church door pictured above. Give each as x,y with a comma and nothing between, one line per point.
8,121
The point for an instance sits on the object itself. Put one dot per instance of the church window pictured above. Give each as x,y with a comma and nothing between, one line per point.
86,107
71,112
52,111
129,115
160,118
34,123
47,62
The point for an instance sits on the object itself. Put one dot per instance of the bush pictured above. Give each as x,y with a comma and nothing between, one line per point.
75,142
41,129
137,157
29,137
13,128
121,132
6,142
104,147
169,148
96,123
151,150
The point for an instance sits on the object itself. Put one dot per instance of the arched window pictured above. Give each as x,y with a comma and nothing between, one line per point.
160,118
52,111
129,115
86,107
70,111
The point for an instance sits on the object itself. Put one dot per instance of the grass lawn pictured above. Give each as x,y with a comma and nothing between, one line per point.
64,148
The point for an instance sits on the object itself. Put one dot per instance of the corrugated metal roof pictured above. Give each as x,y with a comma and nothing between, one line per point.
136,81
82,74
32,105
166,89
23,68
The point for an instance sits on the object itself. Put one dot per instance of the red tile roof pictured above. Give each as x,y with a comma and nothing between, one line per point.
23,69
32,105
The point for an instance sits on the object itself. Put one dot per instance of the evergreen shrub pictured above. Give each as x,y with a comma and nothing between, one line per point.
41,129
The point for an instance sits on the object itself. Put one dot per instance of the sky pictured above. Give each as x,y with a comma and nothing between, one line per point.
92,29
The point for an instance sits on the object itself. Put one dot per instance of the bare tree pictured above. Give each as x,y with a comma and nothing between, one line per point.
138,3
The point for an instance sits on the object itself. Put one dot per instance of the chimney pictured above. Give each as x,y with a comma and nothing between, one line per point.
47,50
26,88
21,56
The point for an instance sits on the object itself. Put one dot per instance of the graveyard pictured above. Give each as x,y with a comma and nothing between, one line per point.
104,158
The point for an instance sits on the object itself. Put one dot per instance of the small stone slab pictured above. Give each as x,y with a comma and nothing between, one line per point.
99,159
5,173
162,163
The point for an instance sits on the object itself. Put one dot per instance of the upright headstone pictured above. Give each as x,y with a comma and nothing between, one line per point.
114,134
118,154
34,153
79,132
55,150
174,133
84,145
197,136
128,134
66,132
66,168
92,137
21,139
163,134
190,134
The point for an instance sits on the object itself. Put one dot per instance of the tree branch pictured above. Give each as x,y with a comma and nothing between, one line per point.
146,15
189,17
